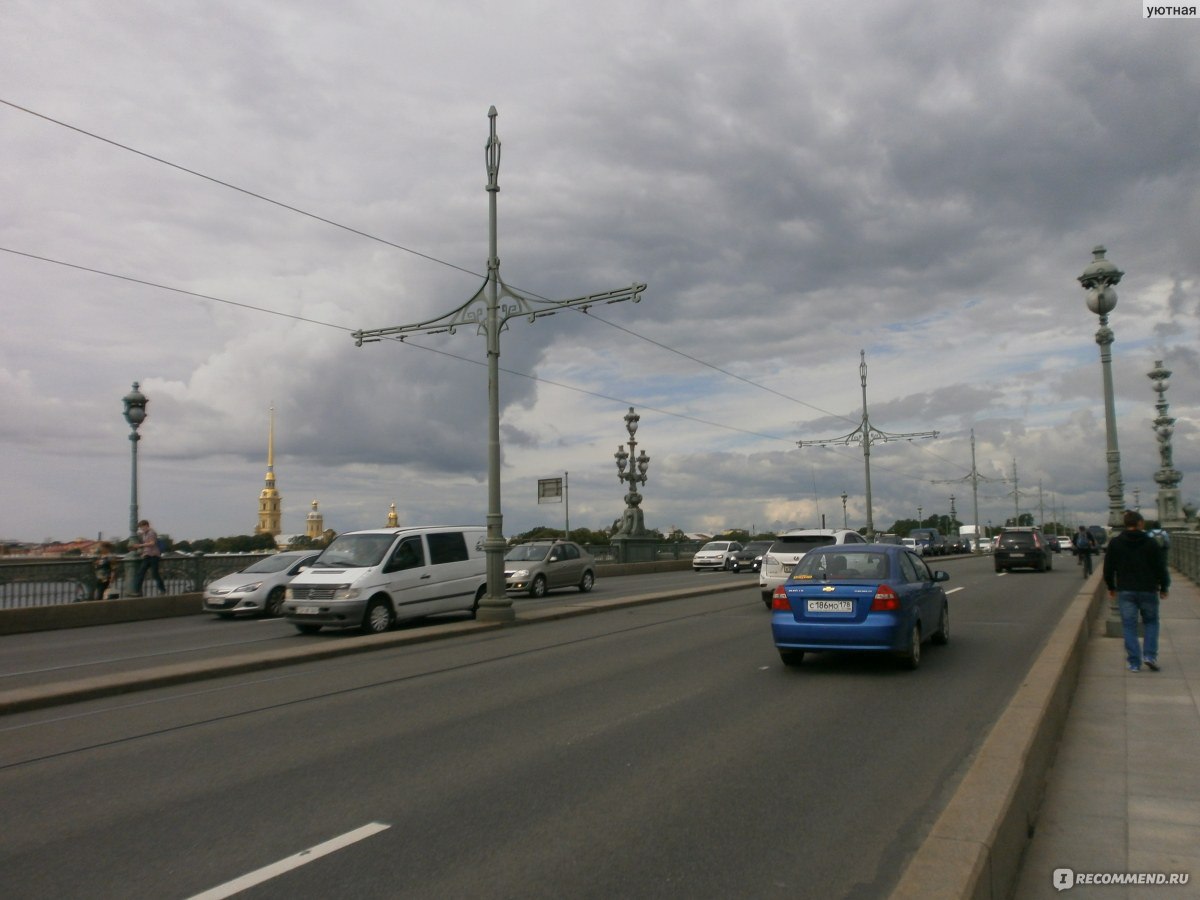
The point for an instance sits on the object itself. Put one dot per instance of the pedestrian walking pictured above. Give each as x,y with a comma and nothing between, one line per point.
151,553
1135,571
1084,545
105,568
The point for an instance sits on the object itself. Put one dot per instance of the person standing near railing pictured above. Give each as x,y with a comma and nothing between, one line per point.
151,553
105,566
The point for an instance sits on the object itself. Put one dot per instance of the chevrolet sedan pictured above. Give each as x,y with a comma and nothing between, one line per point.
878,598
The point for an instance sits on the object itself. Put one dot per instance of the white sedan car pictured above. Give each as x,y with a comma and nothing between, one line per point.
715,555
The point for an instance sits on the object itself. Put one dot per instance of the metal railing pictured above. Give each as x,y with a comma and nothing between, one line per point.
1185,554
55,581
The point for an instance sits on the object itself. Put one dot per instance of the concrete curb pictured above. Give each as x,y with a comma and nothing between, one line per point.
317,648
974,848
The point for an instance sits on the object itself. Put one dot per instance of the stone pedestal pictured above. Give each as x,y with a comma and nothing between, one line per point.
629,548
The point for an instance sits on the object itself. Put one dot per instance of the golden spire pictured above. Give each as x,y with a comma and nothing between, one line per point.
393,519
270,515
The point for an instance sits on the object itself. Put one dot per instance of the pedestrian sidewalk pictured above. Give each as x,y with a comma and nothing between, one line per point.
1123,795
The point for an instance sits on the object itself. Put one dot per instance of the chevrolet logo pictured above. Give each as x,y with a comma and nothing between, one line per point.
828,590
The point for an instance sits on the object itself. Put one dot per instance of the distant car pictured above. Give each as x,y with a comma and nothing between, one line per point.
879,598
715,555
985,545
540,566
258,589
1055,542
749,558
913,545
956,544
934,540
1022,548
790,547
1100,533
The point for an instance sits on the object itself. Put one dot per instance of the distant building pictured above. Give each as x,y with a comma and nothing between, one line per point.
314,523
270,511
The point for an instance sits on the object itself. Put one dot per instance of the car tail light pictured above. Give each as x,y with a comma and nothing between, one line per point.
779,600
886,600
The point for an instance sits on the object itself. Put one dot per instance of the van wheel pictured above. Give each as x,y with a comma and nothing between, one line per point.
378,617
538,588
274,604
308,629
586,582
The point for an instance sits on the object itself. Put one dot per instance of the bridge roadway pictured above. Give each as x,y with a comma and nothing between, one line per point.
659,749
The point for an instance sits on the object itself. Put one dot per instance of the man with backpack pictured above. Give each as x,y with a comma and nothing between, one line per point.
1084,544
1135,571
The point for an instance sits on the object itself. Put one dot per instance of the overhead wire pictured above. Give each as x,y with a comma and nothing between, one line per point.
369,236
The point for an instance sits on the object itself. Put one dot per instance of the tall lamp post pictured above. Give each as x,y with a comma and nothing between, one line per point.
845,520
135,414
1098,280
864,434
489,316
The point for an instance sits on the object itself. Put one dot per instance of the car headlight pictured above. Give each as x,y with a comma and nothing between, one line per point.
521,574
247,588
345,592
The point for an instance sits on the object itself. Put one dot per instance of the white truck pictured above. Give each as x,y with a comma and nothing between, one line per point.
971,534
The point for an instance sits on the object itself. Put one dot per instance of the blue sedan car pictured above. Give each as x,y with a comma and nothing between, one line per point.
868,597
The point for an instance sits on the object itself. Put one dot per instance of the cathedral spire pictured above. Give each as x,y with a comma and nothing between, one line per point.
269,505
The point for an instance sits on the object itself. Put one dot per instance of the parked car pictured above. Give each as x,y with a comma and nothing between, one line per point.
715,555
879,598
1022,548
259,588
371,579
790,547
749,558
540,566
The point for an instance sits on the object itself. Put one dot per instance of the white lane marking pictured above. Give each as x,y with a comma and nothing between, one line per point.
953,590
229,888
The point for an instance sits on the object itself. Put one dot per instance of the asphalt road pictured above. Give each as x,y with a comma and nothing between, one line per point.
654,751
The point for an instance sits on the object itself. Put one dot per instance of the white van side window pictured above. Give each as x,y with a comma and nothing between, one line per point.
447,547
408,555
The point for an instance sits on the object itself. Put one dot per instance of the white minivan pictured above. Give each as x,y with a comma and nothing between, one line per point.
372,579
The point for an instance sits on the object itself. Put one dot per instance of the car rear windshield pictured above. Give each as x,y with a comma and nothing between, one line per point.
1017,539
837,564
802,543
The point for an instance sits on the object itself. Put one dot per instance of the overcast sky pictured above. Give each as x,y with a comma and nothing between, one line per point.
209,197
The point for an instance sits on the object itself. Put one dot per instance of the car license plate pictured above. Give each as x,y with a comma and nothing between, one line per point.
307,610
1017,555
839,606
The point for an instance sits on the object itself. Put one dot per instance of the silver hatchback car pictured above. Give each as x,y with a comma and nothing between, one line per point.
540,566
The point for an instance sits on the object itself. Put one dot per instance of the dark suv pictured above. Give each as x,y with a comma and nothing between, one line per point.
1022,548
934,541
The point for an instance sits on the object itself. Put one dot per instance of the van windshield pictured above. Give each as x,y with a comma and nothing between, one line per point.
355,551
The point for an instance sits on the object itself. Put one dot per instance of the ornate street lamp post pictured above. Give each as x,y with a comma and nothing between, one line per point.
1098,280
845,520
864,434
632,526
135,414
489,315
1168,477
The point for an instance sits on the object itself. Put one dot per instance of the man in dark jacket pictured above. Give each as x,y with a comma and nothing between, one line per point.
1135,571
